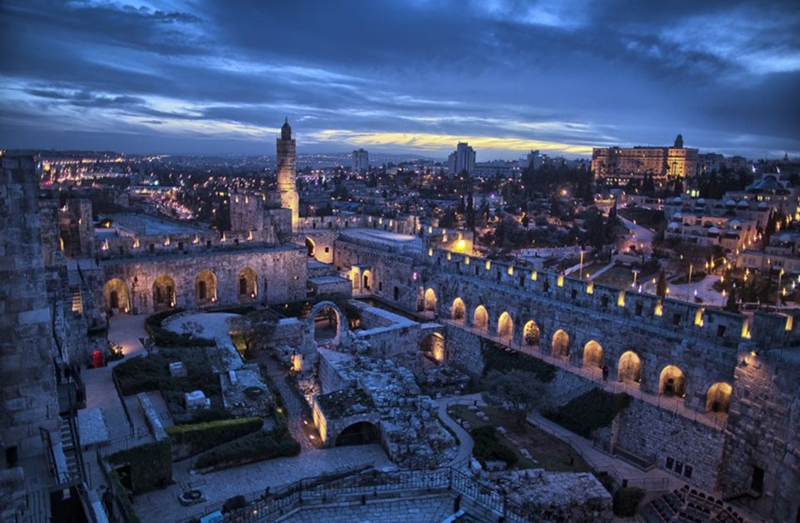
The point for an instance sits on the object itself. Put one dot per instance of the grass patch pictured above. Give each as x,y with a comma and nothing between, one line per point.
546,451
589,411
617,277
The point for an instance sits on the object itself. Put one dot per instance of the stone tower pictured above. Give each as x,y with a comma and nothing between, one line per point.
287,188
28,394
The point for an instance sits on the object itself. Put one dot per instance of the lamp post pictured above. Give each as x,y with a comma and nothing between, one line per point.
778,291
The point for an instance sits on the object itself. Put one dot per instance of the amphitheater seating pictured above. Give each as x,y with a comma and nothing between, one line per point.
689,505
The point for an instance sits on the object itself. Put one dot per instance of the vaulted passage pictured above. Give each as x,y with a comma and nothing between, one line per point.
718,398
531,334
593,355
117,296
163,292
672,382
326,324
430,300
561,344
361,433
247,287
480,320
459,311
505,326
205,287
630,368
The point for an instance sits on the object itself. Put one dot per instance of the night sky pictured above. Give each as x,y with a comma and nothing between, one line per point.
412,76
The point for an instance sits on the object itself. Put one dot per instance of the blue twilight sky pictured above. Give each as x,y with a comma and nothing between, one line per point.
203,76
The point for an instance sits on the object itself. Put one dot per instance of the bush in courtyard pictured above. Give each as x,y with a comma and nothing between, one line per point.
626,500
234,503
590,411
488,446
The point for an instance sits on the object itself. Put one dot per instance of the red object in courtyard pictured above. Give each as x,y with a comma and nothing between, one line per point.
97,359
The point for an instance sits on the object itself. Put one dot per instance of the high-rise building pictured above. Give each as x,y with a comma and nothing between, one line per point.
461,160
621,165
532,160
360,160
286,159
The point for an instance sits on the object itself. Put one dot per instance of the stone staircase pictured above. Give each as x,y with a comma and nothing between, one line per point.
70,449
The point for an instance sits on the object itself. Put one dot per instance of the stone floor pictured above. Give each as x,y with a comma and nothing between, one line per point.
422,509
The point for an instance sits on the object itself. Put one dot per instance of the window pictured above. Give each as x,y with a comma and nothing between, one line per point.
574,294
670,463
638,309
676,319
604,302
757,484
687,471
720,330
328,249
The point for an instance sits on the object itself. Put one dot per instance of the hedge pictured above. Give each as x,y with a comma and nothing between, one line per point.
589,411
188,440
164,338
151,465
257,446
496,358
488,446
626,500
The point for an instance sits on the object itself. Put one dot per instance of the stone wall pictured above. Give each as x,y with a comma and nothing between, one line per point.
764,433
27,375
672,442
280,273
463,350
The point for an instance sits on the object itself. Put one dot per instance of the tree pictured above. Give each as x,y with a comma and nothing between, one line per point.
661,286
520,392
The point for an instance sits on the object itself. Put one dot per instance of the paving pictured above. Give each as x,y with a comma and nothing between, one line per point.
420,509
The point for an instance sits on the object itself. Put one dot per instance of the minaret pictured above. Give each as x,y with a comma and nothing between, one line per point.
287,187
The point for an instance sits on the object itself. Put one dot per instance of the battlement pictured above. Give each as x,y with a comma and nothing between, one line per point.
715,325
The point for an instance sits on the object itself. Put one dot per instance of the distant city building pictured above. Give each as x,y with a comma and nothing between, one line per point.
621,165
532,160
360,160
497,168
461,160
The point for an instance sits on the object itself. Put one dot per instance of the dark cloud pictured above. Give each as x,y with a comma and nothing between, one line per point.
221,74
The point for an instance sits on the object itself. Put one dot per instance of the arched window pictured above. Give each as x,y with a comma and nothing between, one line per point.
593,355
531,333
630,368
459,310
505,326
430,300
672,382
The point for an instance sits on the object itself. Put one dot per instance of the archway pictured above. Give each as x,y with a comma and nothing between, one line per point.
630,367
205,288
672,382
247,284
593,355
366,276
531,334
718,398
117,296
430,300
505,326
164,292
311,247
434,346
361,433
480,320
459,310
561,344
326,323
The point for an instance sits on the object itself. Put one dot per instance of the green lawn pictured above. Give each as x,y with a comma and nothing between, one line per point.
548,452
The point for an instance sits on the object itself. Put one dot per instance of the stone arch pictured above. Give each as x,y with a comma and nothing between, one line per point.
247,284
718,398
459,310
480,319
434,345
366,280
359,433
531,334
323,310
205,288
505,325
561,344
593,355
630,367
672,382
311,247
117,296
164,292
430,300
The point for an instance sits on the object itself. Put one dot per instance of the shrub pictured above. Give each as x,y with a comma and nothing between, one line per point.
626,500
589,411
488,446
189,440
253,447
234,503
151,465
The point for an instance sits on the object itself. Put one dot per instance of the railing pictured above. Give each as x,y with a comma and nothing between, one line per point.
668,403
370,484
139,437
122,400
